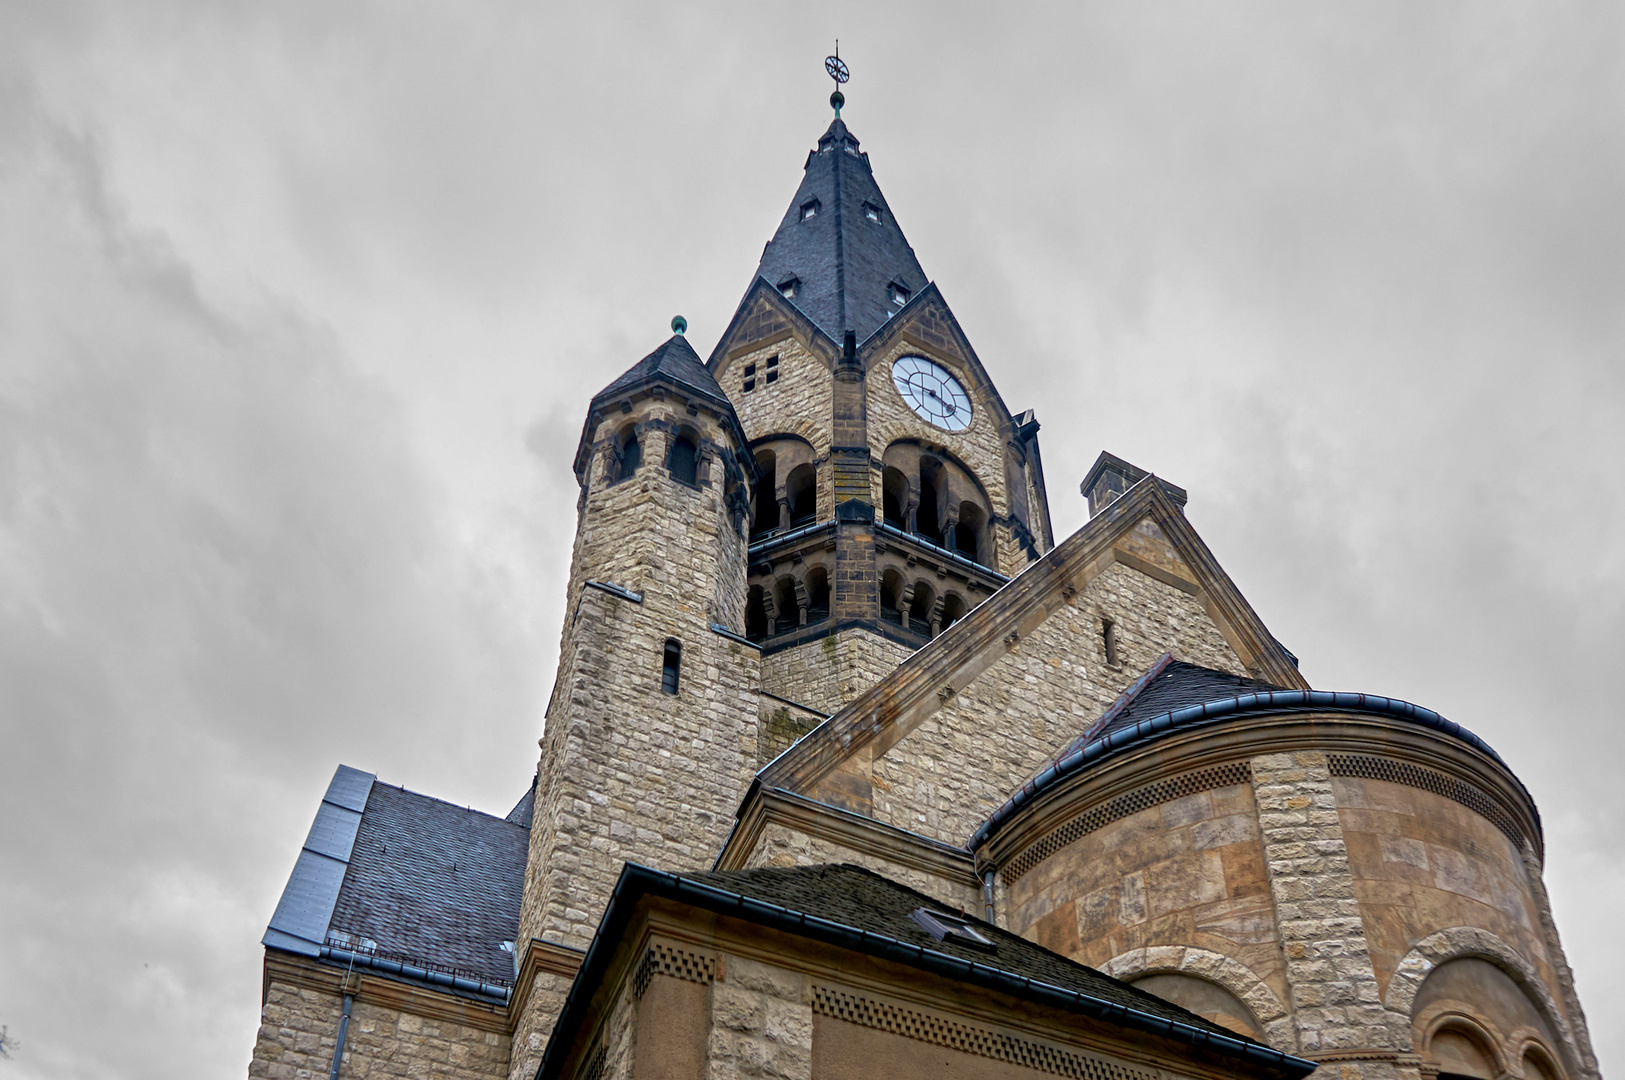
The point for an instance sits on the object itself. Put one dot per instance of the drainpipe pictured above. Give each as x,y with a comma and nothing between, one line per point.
344,1028
987,904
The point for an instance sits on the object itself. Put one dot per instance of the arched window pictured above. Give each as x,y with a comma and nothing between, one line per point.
919,612
684,459
629,455
891,589
756,627
817,595
767,506
968,531
928,519
670,666
953,609
784,598
801,487
894,500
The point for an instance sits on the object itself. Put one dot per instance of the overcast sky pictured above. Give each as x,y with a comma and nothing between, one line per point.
301,305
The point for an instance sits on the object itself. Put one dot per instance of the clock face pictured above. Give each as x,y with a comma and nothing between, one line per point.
932,392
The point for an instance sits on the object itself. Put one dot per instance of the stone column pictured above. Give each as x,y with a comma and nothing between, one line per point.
1336,1008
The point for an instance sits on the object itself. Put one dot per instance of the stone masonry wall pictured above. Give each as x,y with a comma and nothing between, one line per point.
299,1027
1333,986
547,993
782,846
761,1022
828,673
1189,871
945,777
1424,863
798,403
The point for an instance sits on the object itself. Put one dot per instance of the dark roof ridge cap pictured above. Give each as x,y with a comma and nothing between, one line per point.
637,880
1133,691
1263,702
444,802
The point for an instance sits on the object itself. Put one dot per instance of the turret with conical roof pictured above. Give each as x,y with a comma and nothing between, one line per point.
653,713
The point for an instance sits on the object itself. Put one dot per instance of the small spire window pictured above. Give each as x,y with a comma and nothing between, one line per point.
671,665
871,212
809,210
899,295
788,287
684,460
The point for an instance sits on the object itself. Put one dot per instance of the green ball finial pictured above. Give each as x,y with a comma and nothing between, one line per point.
837,99
679,325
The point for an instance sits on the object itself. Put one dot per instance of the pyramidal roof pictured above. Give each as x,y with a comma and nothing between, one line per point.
839,244
675,360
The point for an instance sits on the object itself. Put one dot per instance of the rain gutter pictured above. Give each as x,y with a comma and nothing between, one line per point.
1255,704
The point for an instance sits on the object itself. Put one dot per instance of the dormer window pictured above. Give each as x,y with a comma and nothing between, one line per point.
809,210
788,287
871,212
944,927
899,295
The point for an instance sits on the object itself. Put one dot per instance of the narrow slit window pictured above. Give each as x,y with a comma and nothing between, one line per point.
1108,640
772,369
671,665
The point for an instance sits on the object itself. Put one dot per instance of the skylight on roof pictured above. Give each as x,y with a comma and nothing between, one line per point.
942,926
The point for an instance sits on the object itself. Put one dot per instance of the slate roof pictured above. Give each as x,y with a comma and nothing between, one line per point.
525,808
675,360
434,883
845,263
1167,685
863,900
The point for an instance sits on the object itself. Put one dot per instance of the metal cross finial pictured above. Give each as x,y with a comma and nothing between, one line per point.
840,73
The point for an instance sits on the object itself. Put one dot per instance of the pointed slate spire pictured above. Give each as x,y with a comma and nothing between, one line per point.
838,254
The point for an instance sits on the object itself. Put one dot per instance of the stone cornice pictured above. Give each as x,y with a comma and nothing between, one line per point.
1239,740
542,958
775,806
898,704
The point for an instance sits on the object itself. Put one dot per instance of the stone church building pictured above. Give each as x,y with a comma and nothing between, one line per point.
852,769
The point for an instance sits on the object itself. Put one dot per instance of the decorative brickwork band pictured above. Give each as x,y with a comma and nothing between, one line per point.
1132,802
984,1042
1365,767
661,959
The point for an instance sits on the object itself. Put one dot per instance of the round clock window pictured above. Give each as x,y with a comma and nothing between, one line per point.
933,392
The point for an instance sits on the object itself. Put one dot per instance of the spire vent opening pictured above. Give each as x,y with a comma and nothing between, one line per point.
898,294
809,210
871,212
788,287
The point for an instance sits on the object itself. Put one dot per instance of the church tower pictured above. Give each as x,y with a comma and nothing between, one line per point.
897,491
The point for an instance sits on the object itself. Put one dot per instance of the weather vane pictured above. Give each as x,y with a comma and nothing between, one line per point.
838,71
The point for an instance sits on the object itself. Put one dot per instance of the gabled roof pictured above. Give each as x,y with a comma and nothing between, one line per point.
883,715
843,260
853,908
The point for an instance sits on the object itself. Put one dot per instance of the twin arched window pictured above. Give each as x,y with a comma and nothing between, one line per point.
682,460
